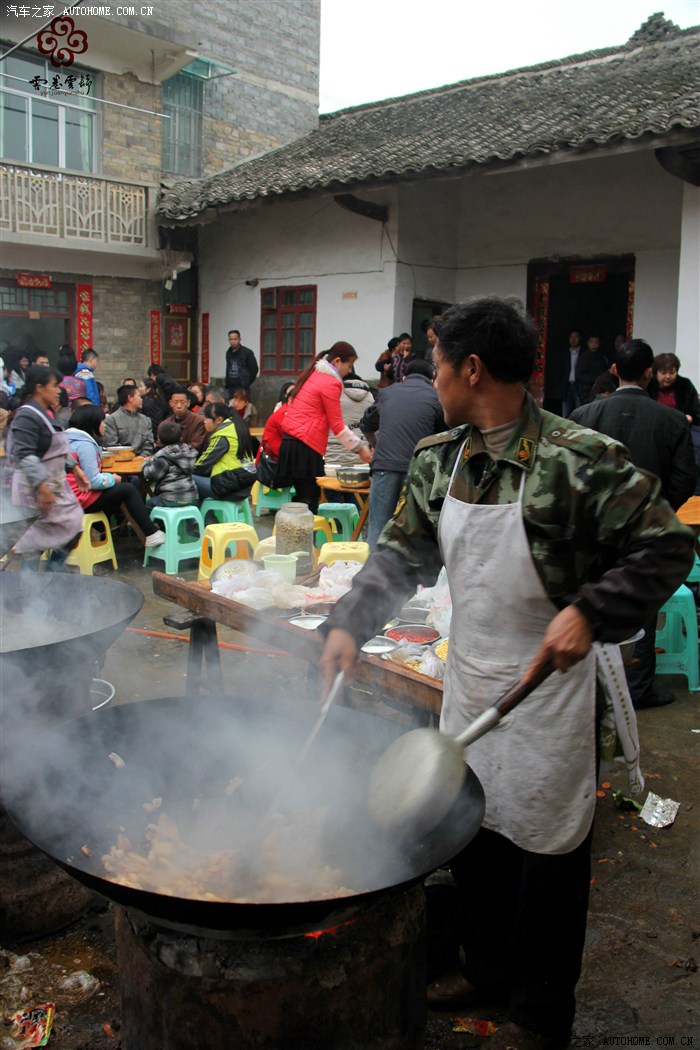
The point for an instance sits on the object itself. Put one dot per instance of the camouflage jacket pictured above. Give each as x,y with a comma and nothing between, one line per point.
600,533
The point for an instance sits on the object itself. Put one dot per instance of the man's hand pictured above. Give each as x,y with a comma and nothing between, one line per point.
365,454
567,640
81,478
340,654
117,478
44,497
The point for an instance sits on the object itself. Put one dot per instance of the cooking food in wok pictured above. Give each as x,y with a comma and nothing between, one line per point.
213,765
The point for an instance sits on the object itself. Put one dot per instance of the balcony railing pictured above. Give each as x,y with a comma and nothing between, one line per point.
94,210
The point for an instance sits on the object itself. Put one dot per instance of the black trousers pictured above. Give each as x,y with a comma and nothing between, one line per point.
523,926
640,675
110,500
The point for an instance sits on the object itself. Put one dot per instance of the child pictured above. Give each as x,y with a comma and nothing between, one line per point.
170,469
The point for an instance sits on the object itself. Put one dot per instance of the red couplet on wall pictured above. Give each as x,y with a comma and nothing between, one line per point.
155,337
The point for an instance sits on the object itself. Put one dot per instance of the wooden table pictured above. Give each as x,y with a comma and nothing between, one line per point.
361,494
689,514
130,468
400,686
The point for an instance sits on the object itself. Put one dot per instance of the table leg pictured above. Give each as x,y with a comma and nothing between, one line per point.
204,651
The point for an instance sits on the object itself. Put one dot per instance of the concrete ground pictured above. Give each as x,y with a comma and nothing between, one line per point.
640,977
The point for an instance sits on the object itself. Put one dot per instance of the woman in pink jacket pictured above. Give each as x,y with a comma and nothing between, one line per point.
313,412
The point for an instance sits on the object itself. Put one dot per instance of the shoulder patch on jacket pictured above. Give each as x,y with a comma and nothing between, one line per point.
439,439
580,439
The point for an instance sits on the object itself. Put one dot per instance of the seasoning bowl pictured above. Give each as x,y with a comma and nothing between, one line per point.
309,622
417,633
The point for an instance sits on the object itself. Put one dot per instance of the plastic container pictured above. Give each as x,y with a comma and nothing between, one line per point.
294,534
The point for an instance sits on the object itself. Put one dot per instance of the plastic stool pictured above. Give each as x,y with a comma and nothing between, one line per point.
694,574
678,638
216,541
269,499
90,552
226,511
178,546
267,546
323,531
343,518
331,552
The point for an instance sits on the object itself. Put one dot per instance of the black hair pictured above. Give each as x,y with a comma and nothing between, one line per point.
498,331
169,432
393,343
633,359
125,391
37,353
156,370
88,355
405,335
38,375
88,418
234,331
218,410
66,363
285,391
420,367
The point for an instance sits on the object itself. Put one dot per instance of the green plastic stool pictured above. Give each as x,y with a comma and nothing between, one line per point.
343,518
694,574
271,499
678,638
179,545
226,511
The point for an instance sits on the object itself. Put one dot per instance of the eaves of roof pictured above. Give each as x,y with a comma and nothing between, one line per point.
586,102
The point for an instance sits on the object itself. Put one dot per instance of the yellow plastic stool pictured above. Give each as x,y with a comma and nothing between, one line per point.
331,552
267,546
323,533
216,541
89,551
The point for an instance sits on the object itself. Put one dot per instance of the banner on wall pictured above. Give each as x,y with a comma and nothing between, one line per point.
33,280
155,337
205,348
84,312
541,318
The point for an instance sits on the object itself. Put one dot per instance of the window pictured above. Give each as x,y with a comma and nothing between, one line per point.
57,130
288,327
183,101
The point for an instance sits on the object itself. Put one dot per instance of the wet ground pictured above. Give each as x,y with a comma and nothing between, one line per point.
640,979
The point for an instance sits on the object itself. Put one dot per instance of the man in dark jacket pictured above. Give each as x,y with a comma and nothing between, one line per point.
241,366
402,414
659,440
591,363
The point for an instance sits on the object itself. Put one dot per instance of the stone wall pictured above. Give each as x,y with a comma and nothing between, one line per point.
131,141
271,99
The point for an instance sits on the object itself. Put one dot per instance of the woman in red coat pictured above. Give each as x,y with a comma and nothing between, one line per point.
313,412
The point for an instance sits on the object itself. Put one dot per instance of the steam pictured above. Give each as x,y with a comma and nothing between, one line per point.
65,793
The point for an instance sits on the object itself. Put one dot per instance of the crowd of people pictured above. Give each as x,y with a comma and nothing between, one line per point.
562,535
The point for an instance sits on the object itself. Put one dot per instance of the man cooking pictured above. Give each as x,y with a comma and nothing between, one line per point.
551,540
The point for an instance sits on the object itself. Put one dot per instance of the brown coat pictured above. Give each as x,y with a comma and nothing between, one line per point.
194,432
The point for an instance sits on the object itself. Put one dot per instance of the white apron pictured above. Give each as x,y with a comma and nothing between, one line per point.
65,519
537,767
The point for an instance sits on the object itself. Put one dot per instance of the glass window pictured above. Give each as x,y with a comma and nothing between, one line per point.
183,103
288,324
54,129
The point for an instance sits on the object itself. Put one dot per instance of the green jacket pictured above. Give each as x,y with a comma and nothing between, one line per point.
601,535
229,477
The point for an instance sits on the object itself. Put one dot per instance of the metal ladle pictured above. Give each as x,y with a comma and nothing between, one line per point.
417,780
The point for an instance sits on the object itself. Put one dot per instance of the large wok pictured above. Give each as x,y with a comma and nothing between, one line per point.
55,628
14,521
181,749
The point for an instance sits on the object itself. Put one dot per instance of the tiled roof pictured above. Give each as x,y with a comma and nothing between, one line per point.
648,86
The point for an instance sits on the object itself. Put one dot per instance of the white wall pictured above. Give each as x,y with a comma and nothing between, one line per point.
454,238
307,242
688,316
655,299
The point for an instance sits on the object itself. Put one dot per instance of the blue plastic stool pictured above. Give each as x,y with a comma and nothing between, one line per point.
678,638
343,518
179,545
270,499
225,511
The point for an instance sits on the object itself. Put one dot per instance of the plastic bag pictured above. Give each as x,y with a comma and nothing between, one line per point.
439,600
